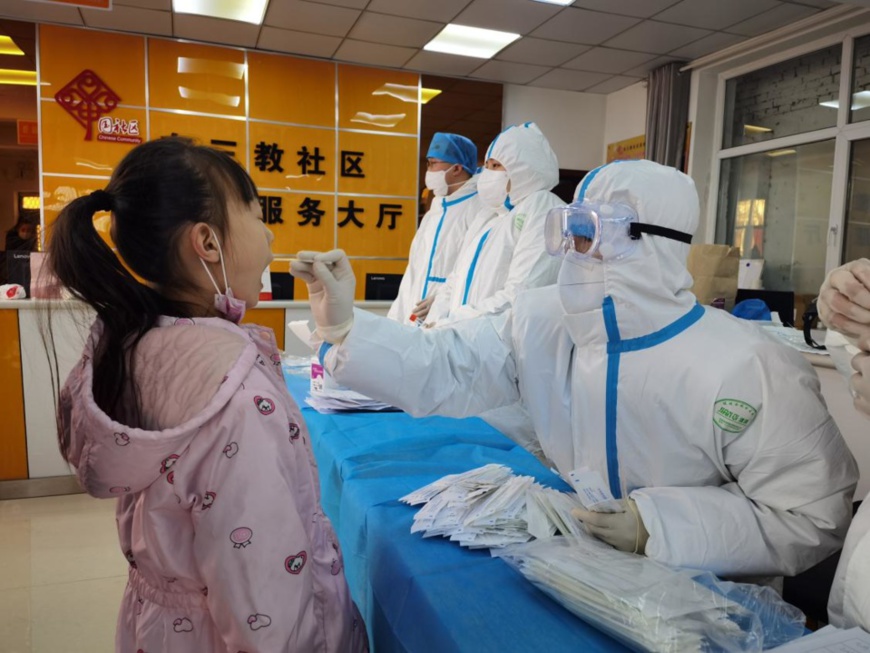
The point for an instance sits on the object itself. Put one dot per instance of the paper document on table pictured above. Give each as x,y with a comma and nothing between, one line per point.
792,338
829,640
338,401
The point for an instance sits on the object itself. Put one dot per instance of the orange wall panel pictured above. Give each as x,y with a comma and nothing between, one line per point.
376,99
272,318
377,215
287,89
377,164
13,441
300,213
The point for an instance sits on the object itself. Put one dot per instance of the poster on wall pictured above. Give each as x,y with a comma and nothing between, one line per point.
627,150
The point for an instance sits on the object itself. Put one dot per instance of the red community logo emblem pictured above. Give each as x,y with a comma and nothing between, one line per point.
88,99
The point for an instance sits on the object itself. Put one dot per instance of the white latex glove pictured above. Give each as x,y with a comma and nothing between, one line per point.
331,285
844,301
621,530
421,310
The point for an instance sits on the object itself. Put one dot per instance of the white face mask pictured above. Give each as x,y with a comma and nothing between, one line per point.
492,187
436,181
581,285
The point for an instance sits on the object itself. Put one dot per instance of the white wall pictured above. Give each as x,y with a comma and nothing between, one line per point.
625,115
572,122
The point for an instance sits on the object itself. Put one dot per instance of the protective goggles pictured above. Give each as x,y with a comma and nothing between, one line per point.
584,229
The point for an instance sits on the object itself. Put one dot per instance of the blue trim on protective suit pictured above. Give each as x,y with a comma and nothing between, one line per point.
507,203
321,353
584,185
615,348
444,205
470,277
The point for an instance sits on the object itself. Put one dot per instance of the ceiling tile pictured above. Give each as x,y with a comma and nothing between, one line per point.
541,51
715,14
130,19
311,17
770,20
707,45
608,60
353,4
374,54
638,8
517,16
41,11
570,80
283,40
613,84
442,10
644,69
442,64
215,30
394,30
509,72
652,36
160,5
582,26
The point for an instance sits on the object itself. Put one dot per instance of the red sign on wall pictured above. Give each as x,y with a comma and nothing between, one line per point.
88,99
28,132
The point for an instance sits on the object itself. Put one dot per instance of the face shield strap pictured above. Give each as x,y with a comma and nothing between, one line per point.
635,229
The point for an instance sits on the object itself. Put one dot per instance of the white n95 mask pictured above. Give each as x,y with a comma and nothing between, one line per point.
436,181
492,187
581,285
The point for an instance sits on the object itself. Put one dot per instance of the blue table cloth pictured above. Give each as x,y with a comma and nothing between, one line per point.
417,594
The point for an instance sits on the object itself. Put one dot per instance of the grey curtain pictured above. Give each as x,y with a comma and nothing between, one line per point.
667,115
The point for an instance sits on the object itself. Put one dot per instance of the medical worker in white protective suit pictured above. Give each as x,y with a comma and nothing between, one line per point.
507,253
450,175
715,438
844,305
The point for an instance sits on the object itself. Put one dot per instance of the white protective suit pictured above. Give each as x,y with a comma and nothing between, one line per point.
849,604
507,254
435,248
718,433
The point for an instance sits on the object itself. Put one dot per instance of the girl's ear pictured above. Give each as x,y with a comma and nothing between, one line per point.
204,243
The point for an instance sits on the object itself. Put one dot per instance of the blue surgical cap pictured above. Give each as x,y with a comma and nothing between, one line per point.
454,148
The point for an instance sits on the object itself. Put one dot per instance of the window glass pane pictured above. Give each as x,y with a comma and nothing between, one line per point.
784,99
774,206
856,243
861,80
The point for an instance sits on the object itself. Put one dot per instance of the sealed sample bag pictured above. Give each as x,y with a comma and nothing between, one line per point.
651,607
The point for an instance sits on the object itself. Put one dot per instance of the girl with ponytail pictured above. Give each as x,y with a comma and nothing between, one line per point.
180,413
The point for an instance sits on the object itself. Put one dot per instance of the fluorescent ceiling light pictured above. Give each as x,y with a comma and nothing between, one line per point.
7,46
470,41
860,100
406,92
564,3
245,11
781,152
755,129
18,77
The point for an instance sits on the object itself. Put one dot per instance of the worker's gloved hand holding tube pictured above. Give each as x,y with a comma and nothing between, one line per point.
331,285
621,530
844,301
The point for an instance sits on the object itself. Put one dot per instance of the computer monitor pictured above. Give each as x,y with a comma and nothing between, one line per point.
384,287
282,285
778,301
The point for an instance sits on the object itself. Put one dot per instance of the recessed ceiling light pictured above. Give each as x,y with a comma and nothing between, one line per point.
18,77
7,46
564,3
470,41
245,11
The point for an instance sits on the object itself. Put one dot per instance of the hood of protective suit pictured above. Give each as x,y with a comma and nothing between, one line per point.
530,162
650,287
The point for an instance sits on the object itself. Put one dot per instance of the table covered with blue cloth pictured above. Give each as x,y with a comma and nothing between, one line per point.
429,594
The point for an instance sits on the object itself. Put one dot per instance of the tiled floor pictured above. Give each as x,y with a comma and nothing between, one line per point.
61,575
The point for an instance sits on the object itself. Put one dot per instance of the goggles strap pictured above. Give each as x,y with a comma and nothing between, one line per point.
638,228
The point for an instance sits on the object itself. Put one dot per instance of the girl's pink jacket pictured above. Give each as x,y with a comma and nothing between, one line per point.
218,498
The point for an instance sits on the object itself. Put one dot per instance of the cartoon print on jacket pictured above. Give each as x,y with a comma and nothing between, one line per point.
265,405
241,537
